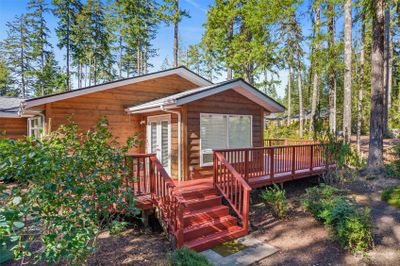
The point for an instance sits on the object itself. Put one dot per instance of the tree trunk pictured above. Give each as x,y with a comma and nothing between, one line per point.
375,155
387,74
316,71
331,71
68,87
361,91
347,72
300,88
289,94
176,36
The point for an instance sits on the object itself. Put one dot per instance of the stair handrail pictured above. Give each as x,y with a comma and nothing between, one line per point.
232,187
168,199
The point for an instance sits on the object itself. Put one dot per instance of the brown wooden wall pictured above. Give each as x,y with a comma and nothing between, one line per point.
14,128
86,110
228,102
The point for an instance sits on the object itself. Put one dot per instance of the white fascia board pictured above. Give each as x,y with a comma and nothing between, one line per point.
240,87
148,109
9,115
178,71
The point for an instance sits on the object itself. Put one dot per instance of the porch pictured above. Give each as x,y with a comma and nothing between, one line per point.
204,212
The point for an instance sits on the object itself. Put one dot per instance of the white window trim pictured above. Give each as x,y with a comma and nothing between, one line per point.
210,151
158,119
41,116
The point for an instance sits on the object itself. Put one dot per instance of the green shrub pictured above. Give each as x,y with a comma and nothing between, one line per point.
392,195
392,169
117,227
349,223
276,198
66,183
188,257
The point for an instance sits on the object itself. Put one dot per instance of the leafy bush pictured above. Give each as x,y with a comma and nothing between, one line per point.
393,168
392,195
117,227
349,223
67,183
276,198
188,257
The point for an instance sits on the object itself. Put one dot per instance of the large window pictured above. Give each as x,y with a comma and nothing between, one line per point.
221,131
35,126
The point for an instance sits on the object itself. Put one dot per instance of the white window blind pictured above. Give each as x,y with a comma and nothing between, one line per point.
221,131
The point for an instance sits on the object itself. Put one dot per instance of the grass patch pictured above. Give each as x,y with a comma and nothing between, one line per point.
392,196
188,257
229,248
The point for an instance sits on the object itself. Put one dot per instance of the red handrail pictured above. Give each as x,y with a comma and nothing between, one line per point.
168,199
284,142
233,188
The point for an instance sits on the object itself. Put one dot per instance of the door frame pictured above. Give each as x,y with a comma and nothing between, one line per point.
158,119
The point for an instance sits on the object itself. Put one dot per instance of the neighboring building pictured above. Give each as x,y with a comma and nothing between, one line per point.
178,114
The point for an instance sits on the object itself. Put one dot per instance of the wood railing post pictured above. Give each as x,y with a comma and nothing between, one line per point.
179,224
293,160
311,156
271,163
151,171
246,207
246,165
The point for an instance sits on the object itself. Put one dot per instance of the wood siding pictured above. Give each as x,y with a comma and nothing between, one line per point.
228,102
14,128
86,110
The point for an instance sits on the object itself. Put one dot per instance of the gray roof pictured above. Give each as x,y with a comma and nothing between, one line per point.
178,98
10,104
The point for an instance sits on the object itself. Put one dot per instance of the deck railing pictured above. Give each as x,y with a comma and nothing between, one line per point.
277,161
233,188
150,178
285,142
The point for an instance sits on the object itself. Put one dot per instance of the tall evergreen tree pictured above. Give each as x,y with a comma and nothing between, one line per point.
65,11
6,81
17,51
347,70
173,14
375,154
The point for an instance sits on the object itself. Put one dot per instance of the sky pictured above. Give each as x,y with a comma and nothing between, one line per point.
191,30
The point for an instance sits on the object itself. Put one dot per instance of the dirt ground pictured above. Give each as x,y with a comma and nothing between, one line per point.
304,241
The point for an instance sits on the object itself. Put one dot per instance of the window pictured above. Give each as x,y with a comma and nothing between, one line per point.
35,126
220,131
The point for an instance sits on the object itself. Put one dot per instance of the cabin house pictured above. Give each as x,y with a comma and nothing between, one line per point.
203,145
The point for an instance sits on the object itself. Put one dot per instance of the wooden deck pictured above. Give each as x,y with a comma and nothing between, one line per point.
204,212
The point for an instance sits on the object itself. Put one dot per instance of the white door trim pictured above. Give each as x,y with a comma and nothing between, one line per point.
158,119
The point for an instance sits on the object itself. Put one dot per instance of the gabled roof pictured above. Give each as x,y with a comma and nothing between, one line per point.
239,85
181,71
9,106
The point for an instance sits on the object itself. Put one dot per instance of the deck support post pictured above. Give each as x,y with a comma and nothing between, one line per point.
311,157
271,163
246,165
293,160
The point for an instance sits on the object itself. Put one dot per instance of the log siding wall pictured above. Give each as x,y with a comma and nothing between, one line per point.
13,128
228,102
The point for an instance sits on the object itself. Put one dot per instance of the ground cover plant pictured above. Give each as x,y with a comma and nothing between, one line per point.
275,197
349,223
188,257
66,185
392,195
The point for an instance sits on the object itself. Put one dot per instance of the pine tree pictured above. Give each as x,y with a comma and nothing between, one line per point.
6,81
347,71
375,155
331,67
17,51
173,15
65,11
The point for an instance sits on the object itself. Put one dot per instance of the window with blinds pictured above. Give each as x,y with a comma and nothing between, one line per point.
35,126
222,131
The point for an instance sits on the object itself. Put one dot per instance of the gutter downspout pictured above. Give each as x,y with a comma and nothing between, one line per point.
162,107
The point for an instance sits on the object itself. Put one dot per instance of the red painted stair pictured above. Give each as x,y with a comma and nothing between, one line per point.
207,221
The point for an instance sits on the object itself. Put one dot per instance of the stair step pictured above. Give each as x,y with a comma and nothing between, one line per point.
198,194
209,241
209,227
208,201
202,215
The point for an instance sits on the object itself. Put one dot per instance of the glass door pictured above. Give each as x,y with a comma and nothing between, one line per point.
159,139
